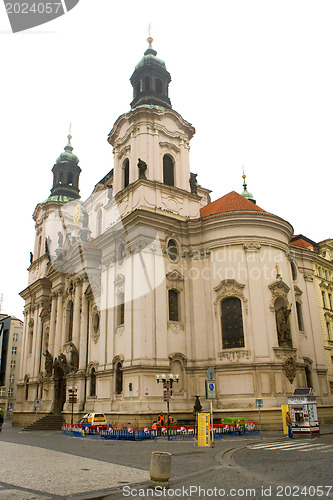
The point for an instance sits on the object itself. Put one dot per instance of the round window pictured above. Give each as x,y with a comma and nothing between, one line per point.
96,322
173,252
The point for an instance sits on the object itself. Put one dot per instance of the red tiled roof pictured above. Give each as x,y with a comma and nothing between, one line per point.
300,241
230,203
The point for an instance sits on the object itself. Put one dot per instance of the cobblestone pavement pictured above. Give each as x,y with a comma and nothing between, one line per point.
48,464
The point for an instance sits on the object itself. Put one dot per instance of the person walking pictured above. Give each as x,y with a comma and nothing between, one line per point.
289,424
1,421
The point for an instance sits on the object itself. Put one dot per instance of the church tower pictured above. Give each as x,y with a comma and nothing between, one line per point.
151,146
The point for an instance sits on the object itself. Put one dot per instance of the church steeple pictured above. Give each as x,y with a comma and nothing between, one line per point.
150,80
66,173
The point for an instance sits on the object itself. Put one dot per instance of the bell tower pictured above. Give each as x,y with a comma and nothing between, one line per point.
66,173
150,80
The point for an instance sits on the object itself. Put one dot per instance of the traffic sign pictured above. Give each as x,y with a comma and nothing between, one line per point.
210,389
259,403
37,403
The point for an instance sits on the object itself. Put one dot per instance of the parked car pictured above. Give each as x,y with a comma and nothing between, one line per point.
92,421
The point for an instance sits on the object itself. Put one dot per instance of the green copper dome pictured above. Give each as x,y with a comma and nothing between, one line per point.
68,156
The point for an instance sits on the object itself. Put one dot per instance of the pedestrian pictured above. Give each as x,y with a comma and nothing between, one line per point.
289,424
1,421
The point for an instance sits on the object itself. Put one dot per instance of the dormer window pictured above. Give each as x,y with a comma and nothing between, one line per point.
168,171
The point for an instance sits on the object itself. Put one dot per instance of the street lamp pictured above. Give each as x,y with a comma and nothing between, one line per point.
167,381
72,393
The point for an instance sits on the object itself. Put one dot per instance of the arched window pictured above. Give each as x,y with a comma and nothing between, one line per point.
293,270
119,378
93,382
168,171
172,250
120,316
232,323
159,87
137,89
70,309
173,299
99,222
299,316
126,173
147,84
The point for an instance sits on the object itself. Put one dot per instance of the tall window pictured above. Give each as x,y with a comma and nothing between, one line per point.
120,309
232,323
12,364
99,222
70,310
330,301
323,295
168,171
119,378
15,337
328,326
147,84
173,305
126,172
93,382
299,316
14,350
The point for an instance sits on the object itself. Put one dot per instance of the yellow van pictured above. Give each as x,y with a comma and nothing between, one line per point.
93,420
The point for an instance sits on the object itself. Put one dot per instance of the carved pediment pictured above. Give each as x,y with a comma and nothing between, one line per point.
120,280
279,289
229,288
174,276
297,290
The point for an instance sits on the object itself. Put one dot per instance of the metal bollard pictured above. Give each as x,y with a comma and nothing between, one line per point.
160,465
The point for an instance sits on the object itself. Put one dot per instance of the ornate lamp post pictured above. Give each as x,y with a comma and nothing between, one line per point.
167,381
72,398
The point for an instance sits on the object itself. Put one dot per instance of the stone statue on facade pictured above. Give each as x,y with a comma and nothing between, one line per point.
61,362
48,363
31,257
193,183
283,326
142,166
74,358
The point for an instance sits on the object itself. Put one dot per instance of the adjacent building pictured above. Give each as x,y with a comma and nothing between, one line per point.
11,330
148,276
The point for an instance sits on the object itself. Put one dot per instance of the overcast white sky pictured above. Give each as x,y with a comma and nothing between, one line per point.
253,77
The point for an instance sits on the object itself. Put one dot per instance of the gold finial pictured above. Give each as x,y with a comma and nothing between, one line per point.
149,39
244,176
277,270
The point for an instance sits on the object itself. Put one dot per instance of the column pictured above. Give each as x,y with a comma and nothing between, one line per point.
58,328
53,324
83,334
77,313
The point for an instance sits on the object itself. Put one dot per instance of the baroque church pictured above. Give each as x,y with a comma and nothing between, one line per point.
149,277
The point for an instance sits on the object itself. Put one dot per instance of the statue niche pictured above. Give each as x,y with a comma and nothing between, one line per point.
282,318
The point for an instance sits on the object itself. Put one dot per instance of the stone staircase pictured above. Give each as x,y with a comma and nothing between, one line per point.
47,423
